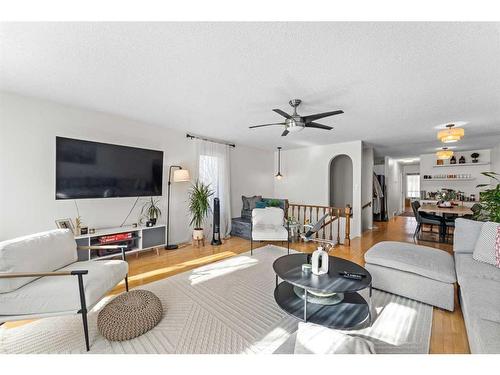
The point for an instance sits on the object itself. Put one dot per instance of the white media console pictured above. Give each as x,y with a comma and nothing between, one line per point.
143,238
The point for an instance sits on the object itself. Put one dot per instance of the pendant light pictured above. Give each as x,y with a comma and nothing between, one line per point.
444,153
279,176
450,134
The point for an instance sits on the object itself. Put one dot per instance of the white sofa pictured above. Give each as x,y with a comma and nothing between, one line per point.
40,276
268,224
479,290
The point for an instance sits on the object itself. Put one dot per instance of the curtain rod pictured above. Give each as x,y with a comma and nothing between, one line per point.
209,140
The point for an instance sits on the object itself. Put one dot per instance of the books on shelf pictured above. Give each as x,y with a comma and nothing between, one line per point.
115,237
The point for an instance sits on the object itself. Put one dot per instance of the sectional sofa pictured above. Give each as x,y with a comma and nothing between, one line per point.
479,290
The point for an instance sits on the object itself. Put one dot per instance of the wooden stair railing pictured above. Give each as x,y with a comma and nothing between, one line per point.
310,214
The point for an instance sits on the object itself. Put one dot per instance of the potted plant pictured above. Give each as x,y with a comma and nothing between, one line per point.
474,157
199,207
489,200
151,211
273,203
445,197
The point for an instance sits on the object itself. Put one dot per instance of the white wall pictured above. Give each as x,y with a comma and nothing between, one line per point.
252,173
27,166
394,185
495,159
428,167
367,188
306,176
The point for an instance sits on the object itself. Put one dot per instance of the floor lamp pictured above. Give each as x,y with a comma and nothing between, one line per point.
180,175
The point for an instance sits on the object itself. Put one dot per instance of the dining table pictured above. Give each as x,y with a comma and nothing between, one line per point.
459,210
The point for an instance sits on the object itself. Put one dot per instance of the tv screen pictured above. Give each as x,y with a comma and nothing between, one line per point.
87,169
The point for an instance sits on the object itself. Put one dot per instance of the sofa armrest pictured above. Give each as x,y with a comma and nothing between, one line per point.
12,275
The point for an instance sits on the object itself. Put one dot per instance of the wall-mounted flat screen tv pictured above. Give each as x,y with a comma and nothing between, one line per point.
87,169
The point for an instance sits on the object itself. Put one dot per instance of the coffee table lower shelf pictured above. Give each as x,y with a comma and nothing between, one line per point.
352,312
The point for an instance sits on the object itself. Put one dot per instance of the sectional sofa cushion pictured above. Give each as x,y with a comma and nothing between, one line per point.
421,260
40,252
316,339
467,268
486,249
480,299
466,234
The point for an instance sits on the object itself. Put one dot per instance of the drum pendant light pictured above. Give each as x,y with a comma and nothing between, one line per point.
450,134
444,153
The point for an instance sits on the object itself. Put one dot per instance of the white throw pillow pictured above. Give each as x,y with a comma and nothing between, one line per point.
487,247
316,339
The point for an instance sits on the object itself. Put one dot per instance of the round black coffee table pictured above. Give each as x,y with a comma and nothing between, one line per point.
350,312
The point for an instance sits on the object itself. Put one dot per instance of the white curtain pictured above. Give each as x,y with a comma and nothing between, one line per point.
214,169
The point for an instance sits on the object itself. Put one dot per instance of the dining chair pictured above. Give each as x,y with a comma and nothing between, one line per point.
426,218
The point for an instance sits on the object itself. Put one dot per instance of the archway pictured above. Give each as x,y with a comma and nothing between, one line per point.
340,181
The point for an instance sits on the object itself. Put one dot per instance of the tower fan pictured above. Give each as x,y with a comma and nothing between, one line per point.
216,241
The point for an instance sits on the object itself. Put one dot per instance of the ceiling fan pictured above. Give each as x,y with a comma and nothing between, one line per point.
295,122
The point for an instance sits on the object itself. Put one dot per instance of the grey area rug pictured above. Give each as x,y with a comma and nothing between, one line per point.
224,307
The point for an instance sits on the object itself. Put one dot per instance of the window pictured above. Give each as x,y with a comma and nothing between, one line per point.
413,186
209,172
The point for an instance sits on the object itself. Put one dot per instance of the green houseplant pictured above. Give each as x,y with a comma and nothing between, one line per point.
447,195
273,203
151,211
489,200
199,206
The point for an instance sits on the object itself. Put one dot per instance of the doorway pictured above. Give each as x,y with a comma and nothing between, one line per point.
341,181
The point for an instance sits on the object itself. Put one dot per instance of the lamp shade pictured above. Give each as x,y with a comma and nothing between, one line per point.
450,134
181,175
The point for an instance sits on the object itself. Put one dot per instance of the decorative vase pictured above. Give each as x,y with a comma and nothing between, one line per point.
319,261
198,234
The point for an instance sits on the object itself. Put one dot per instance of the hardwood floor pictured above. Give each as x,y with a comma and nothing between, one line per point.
448,328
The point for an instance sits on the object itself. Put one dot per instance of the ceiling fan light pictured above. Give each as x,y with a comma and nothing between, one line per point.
450,134
444,154
295,128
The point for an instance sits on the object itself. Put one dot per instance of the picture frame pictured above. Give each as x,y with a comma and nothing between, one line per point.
65,224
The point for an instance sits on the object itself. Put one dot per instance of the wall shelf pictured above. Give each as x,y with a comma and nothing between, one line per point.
462,165
448,179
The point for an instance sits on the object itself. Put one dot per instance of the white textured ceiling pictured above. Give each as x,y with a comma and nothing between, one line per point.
395,81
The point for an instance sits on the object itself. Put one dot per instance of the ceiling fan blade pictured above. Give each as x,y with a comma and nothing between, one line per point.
317,126
285,133
317,116
282,113
260,126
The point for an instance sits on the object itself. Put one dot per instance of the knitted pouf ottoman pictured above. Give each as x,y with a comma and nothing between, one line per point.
129,315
